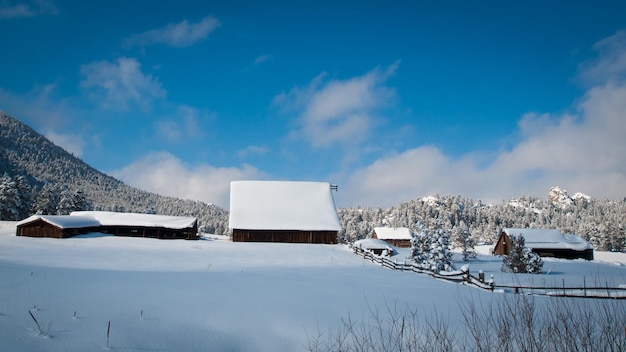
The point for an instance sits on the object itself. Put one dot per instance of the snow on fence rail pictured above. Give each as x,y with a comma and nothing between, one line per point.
464,276
459,276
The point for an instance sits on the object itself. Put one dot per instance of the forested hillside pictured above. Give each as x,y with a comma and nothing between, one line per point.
40,177
37,176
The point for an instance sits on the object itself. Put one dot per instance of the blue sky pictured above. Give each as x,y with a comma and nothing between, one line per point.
389,100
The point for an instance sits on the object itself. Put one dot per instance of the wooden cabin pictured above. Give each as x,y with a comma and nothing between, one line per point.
395,236
117,224
546,243
283,211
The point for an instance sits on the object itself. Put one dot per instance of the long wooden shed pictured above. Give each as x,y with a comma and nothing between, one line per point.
118,224
144,225
283,211
546,243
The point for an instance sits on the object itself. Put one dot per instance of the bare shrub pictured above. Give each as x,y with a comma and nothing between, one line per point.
387,330
504,323
519,323
43,328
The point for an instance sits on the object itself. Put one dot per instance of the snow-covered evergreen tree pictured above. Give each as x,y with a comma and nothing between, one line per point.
463,239
432,250
534,264
79,200
420,248
440,257
9,199
46,200
66,203
25,194
521,259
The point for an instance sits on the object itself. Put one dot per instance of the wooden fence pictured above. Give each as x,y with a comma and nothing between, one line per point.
465,277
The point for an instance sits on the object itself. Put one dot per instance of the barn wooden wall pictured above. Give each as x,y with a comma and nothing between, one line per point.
327,237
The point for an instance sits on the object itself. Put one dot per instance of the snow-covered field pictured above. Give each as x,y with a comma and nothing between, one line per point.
217,295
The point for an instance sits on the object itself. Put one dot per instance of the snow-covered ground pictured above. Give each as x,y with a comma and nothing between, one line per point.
214,294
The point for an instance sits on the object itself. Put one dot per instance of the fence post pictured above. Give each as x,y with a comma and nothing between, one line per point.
481,276
466,273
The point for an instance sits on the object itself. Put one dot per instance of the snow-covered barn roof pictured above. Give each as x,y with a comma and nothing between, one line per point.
107,218
82,219
393,233
549,239
63,221
282,205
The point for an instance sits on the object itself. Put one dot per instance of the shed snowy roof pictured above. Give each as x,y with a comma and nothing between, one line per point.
282,205
107,218
372,243
393,233
549,239
63,221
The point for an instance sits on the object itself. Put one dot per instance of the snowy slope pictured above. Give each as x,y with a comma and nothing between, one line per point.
210,294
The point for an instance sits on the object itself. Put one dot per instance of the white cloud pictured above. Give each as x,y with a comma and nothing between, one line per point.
121,84
261,59
31,9
338,112
583,152
182,34
165,174
610,65
253,150
184,126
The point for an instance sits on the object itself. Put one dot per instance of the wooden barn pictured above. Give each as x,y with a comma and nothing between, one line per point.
546,243
56,226
395,236
144,225
283,211
118,224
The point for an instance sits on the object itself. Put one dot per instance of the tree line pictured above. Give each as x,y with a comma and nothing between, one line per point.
601,222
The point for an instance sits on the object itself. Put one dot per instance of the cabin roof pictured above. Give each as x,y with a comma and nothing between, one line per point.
63,221
549,239
372,243
393,233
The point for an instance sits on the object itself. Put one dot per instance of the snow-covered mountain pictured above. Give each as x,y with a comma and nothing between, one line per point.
52,173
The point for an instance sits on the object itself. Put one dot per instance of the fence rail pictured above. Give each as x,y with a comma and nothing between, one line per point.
465,277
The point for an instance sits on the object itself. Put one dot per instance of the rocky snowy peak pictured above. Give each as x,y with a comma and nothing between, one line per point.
559,197
581,196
